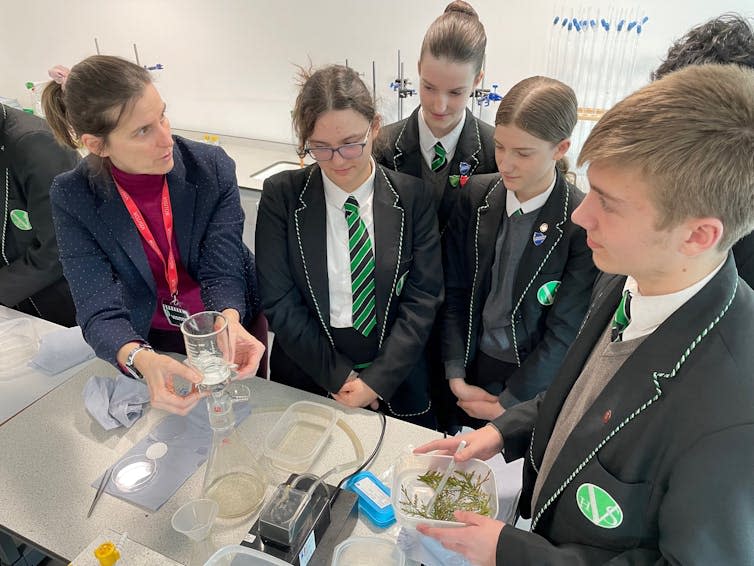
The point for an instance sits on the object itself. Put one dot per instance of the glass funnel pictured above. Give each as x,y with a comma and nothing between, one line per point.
234,477
208,348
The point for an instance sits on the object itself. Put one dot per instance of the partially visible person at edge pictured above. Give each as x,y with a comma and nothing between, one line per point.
31,277
443,144
350,271
149,228
640,450
518,273
723,40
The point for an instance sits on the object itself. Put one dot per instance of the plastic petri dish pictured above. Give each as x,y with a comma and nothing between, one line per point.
133,473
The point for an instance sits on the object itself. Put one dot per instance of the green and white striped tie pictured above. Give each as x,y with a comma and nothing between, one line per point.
362,270
518,212
622,317
439,161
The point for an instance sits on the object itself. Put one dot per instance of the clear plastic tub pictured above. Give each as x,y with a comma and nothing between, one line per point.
405,477
18,344
237,555
299,436
367,551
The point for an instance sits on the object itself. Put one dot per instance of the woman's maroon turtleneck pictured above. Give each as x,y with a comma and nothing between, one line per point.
146,191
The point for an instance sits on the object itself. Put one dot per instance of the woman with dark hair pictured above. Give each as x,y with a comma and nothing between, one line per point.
519,273
149,227
348,269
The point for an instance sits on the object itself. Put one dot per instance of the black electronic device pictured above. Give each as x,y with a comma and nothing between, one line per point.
303,523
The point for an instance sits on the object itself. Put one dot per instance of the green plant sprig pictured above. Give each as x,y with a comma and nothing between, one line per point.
462,492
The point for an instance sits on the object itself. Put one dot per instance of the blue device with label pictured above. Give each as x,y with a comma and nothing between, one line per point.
374,498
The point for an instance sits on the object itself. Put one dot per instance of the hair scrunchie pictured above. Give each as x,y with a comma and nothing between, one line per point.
59,74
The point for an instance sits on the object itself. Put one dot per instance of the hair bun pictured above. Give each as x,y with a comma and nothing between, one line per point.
461,7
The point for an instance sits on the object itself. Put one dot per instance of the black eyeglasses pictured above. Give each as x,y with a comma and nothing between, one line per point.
347,151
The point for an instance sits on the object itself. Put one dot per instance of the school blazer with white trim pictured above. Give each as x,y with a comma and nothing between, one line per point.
397,147
291,241
103,256
669,439
541,333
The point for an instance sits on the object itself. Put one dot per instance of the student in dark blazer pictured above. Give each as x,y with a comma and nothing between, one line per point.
640,450
450,68
723,40
518,271
149,227
349,260
31,277
442,142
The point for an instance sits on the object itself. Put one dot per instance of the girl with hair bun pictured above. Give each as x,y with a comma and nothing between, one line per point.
442,142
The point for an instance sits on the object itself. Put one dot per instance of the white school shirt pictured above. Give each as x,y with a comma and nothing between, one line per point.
427,139
649,312
338,255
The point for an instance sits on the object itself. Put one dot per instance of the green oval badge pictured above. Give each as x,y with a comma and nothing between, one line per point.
546,293
20,219
598,506
399,285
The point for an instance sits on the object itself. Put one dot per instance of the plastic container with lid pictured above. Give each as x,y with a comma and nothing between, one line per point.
237,555
299,435
374,498
18,344
405,478
107,554
367,551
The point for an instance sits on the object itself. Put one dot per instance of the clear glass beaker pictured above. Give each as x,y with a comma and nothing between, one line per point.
234,478
208,348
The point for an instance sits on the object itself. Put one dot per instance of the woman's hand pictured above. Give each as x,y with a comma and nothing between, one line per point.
159,372
246,351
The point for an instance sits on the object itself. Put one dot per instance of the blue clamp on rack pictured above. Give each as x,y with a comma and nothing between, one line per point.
374,498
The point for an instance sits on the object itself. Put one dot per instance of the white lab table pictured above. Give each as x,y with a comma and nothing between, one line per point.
250,155
53,451
30,384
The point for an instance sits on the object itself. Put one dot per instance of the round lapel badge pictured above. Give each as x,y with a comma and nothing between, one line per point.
598,506
546,293
543,227
20,219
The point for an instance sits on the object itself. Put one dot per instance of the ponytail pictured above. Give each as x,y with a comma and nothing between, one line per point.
55,114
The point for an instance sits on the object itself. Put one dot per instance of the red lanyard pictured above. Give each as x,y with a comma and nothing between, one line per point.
171,269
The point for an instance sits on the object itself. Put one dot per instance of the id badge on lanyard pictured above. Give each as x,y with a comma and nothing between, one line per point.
174,312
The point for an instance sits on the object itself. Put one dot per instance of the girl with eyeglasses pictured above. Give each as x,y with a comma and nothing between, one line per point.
349,259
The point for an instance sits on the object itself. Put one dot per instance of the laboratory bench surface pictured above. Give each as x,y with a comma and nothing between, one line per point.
251,156
53,451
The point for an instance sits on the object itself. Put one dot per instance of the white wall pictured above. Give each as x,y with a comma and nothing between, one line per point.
230,64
